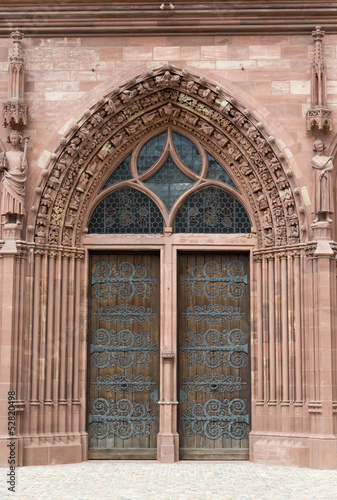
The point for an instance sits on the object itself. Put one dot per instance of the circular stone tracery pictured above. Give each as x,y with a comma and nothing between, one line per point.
145,106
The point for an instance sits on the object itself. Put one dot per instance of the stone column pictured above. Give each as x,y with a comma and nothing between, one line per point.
11,312
322,414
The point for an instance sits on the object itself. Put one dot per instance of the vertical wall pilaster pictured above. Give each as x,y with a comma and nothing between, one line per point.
284,328
278,401
298,330
271,328
322,415
44,346
11,322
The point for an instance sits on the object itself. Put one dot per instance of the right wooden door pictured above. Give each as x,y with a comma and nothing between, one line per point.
213,343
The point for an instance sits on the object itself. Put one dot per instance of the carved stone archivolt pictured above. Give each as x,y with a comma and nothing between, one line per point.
165,97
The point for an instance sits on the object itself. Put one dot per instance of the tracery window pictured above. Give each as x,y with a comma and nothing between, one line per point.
169,181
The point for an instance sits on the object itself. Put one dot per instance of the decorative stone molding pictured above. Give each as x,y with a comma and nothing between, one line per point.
147,18
15,111
12,231
168,356
161,98
319,116
310,249
315,407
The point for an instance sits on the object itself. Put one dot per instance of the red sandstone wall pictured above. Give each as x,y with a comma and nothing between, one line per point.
271,74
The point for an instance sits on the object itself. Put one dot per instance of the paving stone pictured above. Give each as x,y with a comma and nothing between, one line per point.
125,480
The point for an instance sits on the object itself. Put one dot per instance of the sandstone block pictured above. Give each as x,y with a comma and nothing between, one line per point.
264,52
300,87
166,53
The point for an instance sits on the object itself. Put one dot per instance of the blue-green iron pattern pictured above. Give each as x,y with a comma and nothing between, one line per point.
214,383
122,280
122,418
213,314
214,280
124,383
123,349
214,348
216,419
124,314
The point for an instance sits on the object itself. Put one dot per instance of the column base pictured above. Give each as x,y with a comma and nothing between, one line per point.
46,450
314,452
323,453
168,448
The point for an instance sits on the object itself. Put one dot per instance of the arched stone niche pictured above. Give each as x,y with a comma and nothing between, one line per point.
141,107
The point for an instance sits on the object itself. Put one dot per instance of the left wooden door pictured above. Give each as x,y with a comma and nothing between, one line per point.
123,375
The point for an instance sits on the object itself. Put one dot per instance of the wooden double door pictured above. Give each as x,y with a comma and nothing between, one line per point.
212,355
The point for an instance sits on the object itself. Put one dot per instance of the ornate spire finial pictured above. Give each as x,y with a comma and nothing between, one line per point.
318,33
319,116
16,55
15,110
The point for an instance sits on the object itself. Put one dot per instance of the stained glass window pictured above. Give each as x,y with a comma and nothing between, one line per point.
188,152
216,172
121,173
169,182
150,153
212,210
126,211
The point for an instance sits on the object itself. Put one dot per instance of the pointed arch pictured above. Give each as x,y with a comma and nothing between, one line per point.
126,211
211,209
144,107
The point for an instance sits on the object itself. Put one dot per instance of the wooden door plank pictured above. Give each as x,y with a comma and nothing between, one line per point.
220,346
132,349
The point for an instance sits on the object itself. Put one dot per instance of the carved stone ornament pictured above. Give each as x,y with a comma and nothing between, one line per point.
319,116
323,202
15,110
13,164
165,98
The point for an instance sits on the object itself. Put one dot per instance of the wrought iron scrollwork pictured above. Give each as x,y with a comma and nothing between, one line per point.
216,348
123,418
215,419
122,280
124,383
213,280
124,348
124,314
213,314
214,383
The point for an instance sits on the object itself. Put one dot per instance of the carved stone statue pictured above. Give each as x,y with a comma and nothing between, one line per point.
322,186
14,178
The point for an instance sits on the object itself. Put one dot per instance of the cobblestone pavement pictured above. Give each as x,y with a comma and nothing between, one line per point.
125,480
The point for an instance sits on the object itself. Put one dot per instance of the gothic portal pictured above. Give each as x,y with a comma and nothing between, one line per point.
167,279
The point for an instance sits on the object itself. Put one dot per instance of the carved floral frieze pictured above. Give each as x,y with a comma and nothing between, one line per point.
144,105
